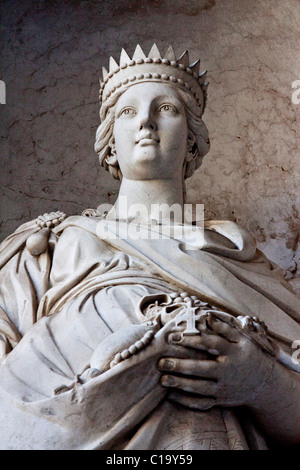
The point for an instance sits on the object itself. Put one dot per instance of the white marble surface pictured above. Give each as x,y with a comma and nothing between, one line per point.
51,62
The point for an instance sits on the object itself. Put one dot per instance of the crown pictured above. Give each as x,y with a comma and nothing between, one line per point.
154,67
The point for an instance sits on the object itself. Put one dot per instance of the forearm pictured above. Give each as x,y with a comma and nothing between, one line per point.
276,405
75,415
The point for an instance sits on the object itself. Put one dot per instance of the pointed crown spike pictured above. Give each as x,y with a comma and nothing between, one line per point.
170,54
138,53
112,65
104,73
124,57
154,52
202,77
184,59
195,66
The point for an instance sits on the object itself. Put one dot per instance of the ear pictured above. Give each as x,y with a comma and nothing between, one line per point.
112,159
191,139
191,146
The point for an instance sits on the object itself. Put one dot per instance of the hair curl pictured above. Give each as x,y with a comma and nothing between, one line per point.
197,146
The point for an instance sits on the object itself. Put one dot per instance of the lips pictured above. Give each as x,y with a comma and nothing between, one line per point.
147,139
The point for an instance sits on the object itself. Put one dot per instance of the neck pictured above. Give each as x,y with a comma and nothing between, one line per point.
141,199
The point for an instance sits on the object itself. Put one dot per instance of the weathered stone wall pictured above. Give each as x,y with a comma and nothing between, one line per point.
51,57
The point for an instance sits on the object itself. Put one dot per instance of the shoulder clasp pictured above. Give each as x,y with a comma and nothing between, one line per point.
37,242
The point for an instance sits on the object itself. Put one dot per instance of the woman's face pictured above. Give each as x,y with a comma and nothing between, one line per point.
150,132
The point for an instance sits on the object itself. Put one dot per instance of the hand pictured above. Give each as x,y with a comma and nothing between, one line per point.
238,372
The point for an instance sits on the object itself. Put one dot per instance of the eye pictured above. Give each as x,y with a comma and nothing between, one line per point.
167,108
127,112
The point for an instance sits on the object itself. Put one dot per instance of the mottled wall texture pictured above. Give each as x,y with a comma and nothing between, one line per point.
51,57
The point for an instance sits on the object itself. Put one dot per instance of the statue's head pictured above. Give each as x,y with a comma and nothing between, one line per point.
151,111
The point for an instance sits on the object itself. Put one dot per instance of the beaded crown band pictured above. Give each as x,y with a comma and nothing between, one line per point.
154,67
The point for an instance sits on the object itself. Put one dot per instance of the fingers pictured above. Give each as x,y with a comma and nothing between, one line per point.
195,403
224,329
198,386
203,368
214,344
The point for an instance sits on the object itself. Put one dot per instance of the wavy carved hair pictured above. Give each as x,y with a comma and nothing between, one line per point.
197,146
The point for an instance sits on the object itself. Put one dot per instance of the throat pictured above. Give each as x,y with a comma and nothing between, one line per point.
150,200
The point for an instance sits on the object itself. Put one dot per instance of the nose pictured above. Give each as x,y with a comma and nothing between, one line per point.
147,121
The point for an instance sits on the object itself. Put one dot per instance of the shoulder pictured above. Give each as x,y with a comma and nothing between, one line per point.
79,231
53,229
34,235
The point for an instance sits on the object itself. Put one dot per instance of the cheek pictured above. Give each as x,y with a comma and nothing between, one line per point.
176,135
182,128
124,137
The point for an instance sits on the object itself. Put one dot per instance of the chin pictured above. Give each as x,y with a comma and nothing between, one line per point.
147,161
146,170
147,154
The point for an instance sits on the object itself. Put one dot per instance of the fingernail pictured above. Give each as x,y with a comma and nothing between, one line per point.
214,352
176,337
167,381
206,405
166,364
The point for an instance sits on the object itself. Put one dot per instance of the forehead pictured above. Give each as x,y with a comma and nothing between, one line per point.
148,92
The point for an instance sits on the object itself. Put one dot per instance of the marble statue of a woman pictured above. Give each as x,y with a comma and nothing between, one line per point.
115,341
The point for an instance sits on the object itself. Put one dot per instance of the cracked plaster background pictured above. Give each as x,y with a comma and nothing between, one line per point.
51,58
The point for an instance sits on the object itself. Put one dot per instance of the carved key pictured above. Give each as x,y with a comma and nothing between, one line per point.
188,316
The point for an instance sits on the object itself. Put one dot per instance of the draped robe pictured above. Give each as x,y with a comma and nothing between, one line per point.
57,307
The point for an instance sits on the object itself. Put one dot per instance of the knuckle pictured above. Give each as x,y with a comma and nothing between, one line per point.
215,342
220,327
213,369
225,328
195,342
206,389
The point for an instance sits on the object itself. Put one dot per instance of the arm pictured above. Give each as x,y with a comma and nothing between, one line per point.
44,406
